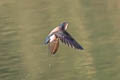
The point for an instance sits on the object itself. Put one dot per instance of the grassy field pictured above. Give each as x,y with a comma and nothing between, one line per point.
24,24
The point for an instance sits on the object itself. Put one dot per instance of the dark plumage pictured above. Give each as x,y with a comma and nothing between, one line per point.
66,38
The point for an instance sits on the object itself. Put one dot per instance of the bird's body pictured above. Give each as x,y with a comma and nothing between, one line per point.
60,33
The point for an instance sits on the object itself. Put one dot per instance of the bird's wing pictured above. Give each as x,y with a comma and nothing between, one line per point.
53,46
66,38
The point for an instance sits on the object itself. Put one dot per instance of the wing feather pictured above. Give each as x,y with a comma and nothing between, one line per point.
66,38
53,46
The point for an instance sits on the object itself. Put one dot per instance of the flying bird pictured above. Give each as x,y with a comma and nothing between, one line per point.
60,33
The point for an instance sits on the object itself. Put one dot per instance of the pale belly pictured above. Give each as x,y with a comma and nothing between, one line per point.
52,38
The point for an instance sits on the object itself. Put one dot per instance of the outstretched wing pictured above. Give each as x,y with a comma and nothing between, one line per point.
66,38
53,46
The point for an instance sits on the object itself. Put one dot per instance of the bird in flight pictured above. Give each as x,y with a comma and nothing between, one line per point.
60,33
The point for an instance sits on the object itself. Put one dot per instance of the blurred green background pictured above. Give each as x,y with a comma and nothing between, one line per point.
24,24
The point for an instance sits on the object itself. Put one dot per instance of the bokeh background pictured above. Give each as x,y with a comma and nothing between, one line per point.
24,24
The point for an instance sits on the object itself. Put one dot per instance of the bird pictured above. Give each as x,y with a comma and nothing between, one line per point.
60,34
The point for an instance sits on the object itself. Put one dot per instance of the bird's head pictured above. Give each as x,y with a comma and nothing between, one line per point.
63,26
